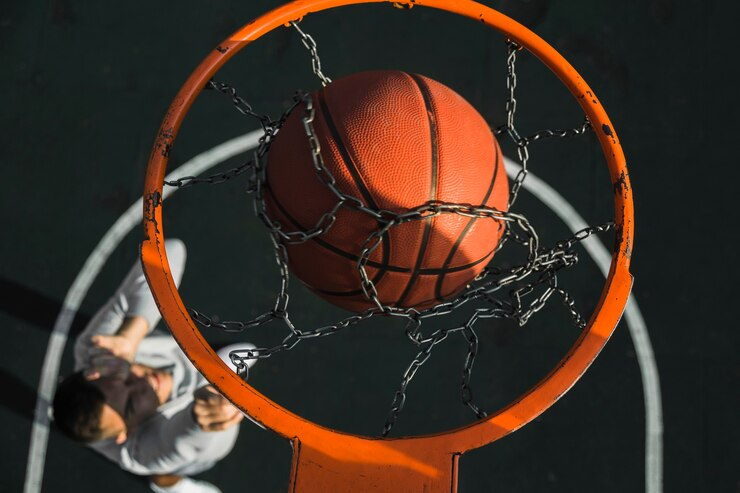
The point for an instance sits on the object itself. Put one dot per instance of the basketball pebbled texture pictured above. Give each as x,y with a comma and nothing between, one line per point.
396,141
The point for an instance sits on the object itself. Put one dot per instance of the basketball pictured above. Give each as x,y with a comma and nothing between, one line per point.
395,141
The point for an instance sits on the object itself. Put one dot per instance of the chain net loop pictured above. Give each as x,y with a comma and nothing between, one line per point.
531,283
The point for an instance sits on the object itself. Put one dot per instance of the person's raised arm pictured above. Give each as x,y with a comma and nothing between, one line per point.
124,343
204,431
128,316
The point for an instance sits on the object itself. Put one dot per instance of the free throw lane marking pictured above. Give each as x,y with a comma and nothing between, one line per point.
632,316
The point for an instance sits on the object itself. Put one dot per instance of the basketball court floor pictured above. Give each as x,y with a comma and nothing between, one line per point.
84,89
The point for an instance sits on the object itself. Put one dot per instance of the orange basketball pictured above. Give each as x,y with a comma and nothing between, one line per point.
396,141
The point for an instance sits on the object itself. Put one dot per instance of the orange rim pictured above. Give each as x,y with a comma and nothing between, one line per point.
425,448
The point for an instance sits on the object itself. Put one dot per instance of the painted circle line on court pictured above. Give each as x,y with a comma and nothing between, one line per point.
206,160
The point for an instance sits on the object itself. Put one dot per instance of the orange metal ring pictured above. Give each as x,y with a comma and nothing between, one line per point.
411,453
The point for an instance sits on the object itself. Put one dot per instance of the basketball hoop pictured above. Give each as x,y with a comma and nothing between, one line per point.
327,460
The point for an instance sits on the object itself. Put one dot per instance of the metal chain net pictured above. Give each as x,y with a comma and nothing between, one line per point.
531,283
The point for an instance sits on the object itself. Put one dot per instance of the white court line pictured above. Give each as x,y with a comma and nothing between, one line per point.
204,161
131,218
633,318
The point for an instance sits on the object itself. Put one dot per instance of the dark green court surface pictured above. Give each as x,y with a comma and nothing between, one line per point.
84,87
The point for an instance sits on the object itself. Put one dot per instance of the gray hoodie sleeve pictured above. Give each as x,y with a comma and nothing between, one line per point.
170,445
132,298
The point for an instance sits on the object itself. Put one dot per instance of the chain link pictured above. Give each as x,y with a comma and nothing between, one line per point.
531,283
310,45
269,126
521,144
465,389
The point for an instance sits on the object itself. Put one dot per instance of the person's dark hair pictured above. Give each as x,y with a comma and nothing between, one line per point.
78,405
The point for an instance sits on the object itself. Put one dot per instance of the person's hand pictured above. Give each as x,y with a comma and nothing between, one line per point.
117,345
213,412
124,343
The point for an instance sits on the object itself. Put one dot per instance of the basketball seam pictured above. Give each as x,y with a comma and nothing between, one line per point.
349,164
458,241
429,272
431,119
338,251
347,160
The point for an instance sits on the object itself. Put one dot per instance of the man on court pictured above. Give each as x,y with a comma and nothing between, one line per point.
135,397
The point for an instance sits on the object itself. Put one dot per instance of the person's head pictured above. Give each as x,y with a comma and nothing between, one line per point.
92,405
